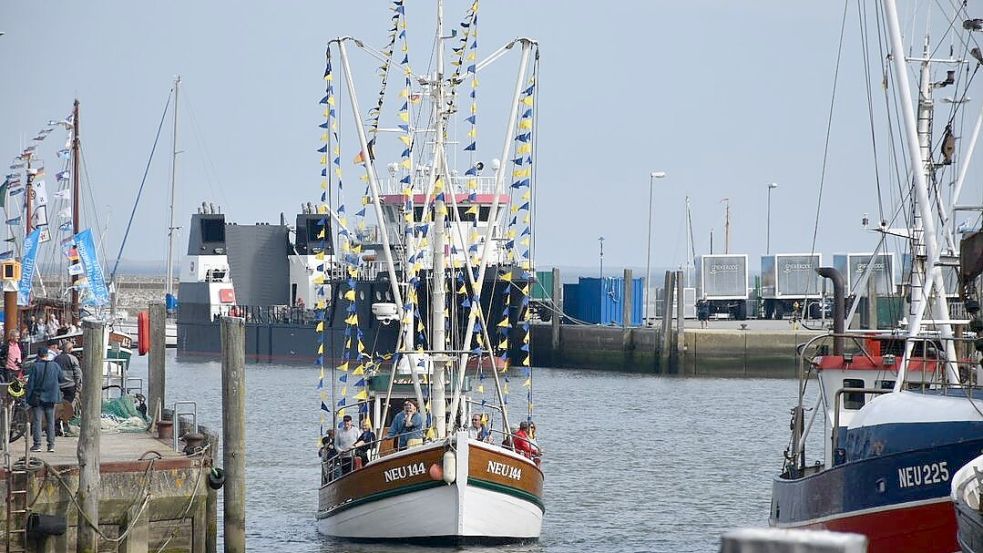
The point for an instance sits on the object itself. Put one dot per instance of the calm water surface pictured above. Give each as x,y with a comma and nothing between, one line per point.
633,462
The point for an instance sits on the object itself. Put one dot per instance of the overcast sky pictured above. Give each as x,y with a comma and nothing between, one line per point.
723,96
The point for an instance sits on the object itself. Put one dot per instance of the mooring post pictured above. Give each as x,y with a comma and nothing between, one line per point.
626,322
557,319
156,370
680,325
10,307
93,356
627,304
211,501
234,432
666,320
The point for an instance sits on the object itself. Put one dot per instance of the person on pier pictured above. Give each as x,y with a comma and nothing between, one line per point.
12,352
43,392
407,427
71,382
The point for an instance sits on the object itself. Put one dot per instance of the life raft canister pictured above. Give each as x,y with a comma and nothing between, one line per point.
143,332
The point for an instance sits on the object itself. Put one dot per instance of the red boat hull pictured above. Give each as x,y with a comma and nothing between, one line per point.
919,528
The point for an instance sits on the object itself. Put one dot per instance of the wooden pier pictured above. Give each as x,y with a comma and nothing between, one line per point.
151,497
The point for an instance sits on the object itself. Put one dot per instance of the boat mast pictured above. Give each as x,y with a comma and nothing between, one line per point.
437,302
28,194
76,193
690,250
169,287
918,163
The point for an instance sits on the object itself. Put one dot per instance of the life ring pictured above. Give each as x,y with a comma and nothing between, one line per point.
15,389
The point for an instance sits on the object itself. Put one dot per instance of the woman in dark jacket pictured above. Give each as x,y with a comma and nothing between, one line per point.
43,393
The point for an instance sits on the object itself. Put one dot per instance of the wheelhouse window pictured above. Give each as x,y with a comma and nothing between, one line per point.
853,400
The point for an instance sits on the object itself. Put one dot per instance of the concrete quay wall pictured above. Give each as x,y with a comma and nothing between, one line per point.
707,352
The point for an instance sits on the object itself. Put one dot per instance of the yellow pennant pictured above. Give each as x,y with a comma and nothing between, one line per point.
319,327
363,395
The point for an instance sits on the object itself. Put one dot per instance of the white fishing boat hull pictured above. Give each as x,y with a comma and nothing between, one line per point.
494,495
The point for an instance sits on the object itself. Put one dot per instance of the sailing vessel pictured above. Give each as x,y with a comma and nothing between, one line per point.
84,292
901,411
456,325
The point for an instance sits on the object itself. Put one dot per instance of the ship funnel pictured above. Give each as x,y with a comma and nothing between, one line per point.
212,207
204,208
839,307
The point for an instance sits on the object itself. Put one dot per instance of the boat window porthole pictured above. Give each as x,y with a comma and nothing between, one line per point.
341,295
361,295
378,296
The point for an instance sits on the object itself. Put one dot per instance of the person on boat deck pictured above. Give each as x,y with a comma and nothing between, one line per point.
407,427
327,453
365,439
345,441
478,430
521,440
13,354
532,439
51,327
508,441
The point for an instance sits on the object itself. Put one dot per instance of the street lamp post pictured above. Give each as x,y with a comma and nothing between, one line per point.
648,256
771,186
600,284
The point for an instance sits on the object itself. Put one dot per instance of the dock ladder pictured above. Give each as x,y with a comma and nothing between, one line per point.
19,475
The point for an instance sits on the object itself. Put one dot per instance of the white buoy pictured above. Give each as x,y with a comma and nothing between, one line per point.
450,466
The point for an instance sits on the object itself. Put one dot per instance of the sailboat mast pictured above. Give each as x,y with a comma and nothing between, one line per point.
169,288
437,302
76,192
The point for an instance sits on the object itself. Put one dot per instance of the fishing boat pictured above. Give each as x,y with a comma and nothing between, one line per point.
76,287
902,410
453,253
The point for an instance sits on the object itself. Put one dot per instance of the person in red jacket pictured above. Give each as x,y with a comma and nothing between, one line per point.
520,440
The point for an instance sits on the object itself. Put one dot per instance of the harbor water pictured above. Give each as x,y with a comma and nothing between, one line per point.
633,462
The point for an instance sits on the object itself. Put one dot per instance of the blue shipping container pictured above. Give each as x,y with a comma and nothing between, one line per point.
601,301
571,300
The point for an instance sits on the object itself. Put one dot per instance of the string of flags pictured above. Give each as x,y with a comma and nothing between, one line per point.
35,186
510,343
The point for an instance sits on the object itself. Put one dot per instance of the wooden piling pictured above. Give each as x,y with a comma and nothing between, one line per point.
626,305
156,371
10,309
557,319
680,325
234,432
93,360
666,321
